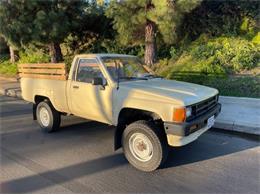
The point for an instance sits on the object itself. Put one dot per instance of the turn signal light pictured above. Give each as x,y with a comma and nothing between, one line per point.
179,115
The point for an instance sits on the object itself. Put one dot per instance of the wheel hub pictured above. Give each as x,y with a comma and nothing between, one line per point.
44,116
141,147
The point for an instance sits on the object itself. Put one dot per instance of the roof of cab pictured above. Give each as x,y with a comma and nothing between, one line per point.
103,55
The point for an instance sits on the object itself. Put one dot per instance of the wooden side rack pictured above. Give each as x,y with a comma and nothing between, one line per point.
56,71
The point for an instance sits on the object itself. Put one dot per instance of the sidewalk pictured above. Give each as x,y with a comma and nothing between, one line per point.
237,114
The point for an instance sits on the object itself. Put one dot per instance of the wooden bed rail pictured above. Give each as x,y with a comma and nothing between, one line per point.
56,71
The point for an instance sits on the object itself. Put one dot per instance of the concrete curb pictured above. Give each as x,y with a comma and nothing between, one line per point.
9,78
10,86
11,92
231,126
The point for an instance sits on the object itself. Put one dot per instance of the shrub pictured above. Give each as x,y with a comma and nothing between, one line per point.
8,68
240,86
233,54
33,56
256,39
29,55
212,56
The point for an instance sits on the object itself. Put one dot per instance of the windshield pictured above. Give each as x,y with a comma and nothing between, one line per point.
125,68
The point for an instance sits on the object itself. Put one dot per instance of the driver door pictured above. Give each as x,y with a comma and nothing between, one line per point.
87,100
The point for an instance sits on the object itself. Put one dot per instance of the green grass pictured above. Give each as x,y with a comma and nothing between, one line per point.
7,68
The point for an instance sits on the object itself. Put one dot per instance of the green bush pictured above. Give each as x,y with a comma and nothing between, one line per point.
7,68
26,56
241,86
33,56
233,54
212,62
214,56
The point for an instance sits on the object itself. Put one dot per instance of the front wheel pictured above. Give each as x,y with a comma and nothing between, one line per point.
47,117
145,145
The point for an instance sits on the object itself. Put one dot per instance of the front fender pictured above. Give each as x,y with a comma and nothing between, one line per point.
163,110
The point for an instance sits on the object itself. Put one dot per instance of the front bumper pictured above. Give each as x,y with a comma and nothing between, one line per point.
184,133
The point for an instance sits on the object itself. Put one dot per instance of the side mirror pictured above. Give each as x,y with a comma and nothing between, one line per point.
97,81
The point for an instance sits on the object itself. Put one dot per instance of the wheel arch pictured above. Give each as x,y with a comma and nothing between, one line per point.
37,100
129,115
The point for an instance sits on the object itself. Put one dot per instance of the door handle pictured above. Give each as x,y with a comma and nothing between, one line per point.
75,87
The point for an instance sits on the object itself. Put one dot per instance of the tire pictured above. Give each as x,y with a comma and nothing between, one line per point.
145,145
47,117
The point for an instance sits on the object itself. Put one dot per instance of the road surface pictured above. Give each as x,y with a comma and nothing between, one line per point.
79,158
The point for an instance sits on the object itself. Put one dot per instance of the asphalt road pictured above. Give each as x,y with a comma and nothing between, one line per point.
79,158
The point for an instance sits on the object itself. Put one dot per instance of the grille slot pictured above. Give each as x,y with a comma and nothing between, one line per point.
203,107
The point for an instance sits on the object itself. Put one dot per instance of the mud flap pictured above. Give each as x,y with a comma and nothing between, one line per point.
34,111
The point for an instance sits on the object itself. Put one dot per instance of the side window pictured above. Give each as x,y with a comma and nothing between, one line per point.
87,70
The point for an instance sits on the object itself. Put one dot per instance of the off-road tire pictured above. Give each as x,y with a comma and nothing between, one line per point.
54,117
156,136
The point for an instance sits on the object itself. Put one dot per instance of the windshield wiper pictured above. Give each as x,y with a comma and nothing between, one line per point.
133,78
152,75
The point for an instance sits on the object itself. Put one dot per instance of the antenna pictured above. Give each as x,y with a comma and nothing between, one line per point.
118,74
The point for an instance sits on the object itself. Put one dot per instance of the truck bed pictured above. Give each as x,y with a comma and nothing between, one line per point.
48,80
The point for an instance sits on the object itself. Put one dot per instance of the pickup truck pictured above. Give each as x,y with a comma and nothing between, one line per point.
150,113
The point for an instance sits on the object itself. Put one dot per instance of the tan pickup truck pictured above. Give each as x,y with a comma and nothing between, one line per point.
149,112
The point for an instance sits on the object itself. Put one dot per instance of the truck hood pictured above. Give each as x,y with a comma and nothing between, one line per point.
179,92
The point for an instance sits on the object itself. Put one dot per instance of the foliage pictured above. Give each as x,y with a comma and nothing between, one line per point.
30,55
16,28
3,46
6,67
45,22
219,56
241,86
216,18
130,18
256,39
144,22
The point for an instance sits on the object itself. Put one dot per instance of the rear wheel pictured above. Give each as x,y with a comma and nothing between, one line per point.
145,145
47,117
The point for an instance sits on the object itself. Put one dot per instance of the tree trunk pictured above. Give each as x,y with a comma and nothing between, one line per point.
13,55
150,49
55,52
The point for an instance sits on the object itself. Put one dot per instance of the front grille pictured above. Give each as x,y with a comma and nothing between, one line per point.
203,107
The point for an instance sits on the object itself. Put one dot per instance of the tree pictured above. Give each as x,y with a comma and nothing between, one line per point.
3,46
15,27
216,18
95,29
40,22
141,21
53,22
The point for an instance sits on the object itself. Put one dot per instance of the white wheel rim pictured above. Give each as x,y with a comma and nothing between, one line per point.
44,116
141,147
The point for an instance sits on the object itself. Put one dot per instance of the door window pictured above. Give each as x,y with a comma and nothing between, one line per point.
87,70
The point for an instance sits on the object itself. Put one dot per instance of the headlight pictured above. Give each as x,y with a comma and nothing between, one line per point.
188,112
